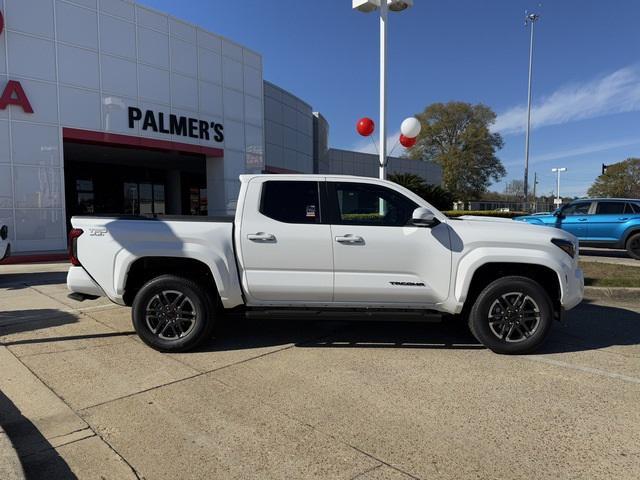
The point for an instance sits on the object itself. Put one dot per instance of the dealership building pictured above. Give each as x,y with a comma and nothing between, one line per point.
110,107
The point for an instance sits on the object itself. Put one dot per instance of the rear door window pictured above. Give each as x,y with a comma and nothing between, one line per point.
577,209
610,208
632,208
291,201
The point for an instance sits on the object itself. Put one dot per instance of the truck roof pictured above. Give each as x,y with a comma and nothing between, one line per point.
292,176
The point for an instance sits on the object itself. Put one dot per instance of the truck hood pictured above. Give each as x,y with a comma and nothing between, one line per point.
484,219
476,231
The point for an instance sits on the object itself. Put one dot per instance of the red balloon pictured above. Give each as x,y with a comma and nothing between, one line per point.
365,126
407,142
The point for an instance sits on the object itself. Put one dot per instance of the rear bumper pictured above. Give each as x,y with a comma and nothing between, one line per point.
79,281
573,291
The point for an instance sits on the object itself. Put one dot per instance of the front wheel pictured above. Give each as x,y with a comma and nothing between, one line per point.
512,315
633,246
172,314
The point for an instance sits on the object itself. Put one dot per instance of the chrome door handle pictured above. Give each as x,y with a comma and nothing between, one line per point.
582,219
350,239
261,237
623,219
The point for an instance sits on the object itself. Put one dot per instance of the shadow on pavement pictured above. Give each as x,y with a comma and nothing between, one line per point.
19,281
587,327
35,452
592,326
18,321
240,334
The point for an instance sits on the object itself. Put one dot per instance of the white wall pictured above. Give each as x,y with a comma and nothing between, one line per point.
79,62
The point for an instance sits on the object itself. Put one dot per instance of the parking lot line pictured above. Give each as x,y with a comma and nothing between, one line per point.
594,371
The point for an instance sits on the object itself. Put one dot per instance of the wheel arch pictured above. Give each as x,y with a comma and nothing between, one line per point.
480,275
146,268
628,233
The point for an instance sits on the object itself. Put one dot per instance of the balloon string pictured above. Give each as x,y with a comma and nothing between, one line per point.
394,147
375,145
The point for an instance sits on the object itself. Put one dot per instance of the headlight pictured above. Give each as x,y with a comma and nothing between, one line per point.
565,245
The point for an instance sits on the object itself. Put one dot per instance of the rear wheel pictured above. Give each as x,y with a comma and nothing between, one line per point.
633,246
511,315
172,314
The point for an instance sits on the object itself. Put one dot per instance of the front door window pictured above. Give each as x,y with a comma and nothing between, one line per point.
372,205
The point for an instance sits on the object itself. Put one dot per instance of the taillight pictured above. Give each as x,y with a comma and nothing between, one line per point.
73,246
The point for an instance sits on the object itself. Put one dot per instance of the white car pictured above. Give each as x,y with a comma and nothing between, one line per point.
327,244
5,245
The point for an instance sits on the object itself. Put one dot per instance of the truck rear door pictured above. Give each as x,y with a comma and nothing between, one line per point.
286,251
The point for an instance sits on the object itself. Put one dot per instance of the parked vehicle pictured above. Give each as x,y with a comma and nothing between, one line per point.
5,245
327,244
597,222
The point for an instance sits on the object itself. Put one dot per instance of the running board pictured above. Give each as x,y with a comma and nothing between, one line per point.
346,314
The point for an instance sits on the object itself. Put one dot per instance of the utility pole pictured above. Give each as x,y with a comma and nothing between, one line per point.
530,19
535,198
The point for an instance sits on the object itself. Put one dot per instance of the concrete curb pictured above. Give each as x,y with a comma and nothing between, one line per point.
10,466
612,293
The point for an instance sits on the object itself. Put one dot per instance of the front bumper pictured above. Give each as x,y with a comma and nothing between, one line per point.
573,291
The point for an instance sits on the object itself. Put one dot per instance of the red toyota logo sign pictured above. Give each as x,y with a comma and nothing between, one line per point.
13,93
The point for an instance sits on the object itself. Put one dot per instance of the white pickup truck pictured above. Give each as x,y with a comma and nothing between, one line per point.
327,244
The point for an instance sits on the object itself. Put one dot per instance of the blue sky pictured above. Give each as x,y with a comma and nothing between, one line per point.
586,69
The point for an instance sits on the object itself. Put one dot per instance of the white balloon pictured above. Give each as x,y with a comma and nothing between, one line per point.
410,127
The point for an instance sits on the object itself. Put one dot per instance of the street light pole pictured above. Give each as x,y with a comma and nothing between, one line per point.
558,171
531,18
383,89
384,6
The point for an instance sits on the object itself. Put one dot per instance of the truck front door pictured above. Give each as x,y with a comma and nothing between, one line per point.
379,256
286,251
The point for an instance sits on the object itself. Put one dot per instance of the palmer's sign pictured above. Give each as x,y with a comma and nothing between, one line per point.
175,125
13,93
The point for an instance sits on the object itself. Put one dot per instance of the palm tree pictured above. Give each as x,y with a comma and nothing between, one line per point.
410,181
434,194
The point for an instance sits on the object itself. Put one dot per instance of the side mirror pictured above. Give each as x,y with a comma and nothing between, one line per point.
423,217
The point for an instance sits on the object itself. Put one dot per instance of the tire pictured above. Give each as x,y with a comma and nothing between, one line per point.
633,246
505,300
173,314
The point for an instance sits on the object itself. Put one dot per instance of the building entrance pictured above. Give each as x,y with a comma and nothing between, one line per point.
105,180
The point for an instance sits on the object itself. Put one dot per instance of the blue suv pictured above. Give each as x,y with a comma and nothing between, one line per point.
597,222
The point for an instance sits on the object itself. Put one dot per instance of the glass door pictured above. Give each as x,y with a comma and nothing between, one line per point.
144,199
131,198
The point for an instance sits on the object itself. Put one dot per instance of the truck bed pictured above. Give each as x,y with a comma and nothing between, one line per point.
110,245
165,218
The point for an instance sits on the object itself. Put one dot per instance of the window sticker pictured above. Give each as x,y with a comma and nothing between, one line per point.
311,211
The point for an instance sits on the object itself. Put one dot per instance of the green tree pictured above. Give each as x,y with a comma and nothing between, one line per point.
434,194
621,180
456,135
